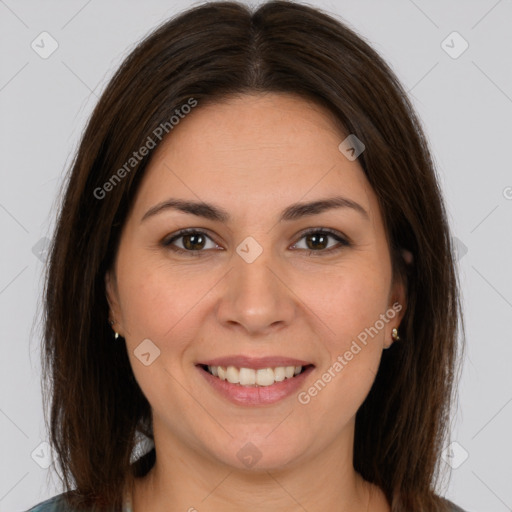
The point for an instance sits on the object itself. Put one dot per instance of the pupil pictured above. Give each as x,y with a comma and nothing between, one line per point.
315,239
193,244
195,241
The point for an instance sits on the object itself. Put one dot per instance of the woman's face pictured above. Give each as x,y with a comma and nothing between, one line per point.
254,290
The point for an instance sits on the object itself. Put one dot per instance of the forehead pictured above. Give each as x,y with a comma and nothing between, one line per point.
254,150
266,124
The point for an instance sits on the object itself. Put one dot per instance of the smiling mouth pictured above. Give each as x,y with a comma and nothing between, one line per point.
250,377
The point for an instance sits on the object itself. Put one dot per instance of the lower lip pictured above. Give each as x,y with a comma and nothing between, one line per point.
261,395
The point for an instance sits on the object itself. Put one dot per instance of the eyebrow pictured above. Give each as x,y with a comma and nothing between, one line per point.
292,212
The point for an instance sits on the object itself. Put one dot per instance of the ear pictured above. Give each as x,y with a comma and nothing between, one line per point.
396,309
114,313
407,256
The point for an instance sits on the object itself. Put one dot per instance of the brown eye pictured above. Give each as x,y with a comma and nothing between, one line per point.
193,242
318,241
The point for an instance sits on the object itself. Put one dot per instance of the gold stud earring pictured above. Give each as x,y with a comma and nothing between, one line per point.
394,334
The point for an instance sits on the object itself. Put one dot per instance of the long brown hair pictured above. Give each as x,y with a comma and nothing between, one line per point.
206,54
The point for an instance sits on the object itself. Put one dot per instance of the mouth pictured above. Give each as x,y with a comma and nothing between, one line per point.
255,382
254,377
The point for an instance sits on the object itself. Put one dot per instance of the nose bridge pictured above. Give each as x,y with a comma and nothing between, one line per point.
255,296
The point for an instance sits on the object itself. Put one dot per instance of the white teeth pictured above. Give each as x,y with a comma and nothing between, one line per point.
252,377
279,374
247,376
232,375
265,377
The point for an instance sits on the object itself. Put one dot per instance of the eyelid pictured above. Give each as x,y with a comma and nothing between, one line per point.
167,242
343,240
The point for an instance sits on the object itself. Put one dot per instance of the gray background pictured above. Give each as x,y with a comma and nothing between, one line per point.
465,104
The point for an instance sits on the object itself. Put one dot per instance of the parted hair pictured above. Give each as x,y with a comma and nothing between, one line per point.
94,407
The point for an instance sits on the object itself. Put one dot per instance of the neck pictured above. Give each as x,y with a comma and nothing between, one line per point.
184,479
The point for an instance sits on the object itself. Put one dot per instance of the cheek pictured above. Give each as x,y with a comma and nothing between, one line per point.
350,306
347,300
158,301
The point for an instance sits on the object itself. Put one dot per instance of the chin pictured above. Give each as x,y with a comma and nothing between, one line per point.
261,452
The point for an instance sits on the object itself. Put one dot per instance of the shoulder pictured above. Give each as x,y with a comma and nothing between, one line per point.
55,504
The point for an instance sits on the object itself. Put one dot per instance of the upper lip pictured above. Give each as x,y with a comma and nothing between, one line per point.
256,363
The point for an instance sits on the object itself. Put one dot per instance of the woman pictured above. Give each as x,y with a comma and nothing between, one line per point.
252,269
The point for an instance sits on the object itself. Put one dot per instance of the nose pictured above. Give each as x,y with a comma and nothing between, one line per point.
256,297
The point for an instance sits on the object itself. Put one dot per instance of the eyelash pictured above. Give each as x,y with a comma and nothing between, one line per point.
168,242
